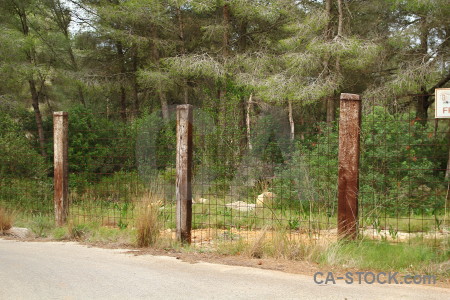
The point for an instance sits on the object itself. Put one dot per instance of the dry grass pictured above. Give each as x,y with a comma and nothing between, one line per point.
280,244
148,224
256,249
6,219
414,257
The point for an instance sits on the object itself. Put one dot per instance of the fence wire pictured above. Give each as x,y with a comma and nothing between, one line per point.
252,173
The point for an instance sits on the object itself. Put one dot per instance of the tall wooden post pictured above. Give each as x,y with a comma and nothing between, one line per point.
184,172
349,151
60,177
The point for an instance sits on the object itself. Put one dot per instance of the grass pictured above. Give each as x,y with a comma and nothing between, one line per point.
416,256
277,244
148,223
125,212
27,195
115,201
41,225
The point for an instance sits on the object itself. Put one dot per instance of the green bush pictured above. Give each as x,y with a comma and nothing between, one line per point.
399,170
97,146
18,158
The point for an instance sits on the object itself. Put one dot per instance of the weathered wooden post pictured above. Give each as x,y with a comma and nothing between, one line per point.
349,149
60,177
184,172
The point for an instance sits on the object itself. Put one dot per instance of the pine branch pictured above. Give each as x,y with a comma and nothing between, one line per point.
440,84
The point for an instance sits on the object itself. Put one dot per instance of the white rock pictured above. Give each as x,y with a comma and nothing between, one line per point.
18,232
241,206
424,188
265,199
200,201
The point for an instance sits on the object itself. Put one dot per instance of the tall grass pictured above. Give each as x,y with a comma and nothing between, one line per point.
148,223
6,220
419,256
382,255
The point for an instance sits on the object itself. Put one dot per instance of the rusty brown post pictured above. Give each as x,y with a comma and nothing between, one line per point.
60,177
184,172
349,150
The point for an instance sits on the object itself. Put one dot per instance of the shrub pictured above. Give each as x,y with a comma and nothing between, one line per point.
13,141
42,225
6,219
396,154
148,224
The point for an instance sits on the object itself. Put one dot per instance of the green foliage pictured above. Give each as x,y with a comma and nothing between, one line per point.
14,140
139,56
269,144
94,142
59,233
383,255
27,195
397,168
155,144
97,145
123,210
77,231
42,225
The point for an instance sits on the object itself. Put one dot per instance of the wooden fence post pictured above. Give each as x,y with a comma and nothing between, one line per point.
184,172
349,151
60,177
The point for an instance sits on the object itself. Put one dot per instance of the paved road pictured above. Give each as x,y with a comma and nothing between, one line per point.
54,270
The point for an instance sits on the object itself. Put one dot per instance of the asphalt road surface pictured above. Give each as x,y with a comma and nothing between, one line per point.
56,270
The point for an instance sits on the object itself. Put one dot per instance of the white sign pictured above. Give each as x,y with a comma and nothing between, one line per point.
442,107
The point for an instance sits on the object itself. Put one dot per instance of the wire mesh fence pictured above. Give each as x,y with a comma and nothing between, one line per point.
404,188
25,178
257,168
252,180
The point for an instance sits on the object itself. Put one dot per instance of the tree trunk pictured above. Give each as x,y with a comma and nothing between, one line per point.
243,36
75,68
63,22
340,33
328,29
135,83
161,93
123,103
108,110
81,94
222,107
248,122
423,100
123,95
331,108
340,19
226,31
38,116
447,171
164,105
31,56
225,54
422,105
291,120
302,122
